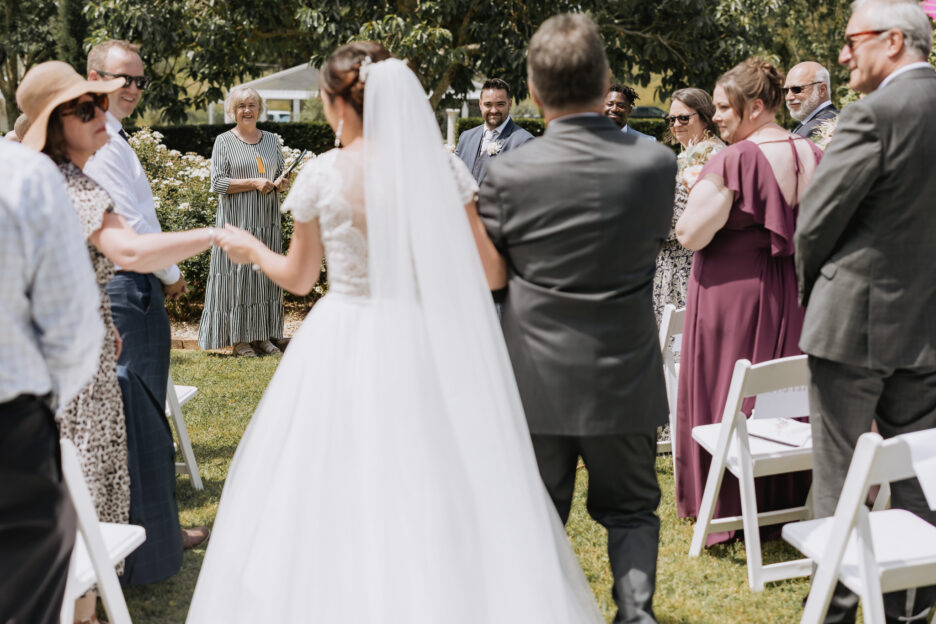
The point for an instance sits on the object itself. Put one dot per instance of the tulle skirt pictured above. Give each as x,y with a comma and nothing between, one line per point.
350,499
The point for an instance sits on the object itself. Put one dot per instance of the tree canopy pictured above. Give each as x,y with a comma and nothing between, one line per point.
194,49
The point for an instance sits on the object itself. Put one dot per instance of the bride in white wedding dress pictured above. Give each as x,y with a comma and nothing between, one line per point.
387,475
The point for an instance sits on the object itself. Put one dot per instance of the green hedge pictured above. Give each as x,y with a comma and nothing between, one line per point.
317,137
536,127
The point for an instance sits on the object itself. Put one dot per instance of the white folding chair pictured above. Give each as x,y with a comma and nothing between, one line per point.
671,329
780,388
98,547
176,397
872,552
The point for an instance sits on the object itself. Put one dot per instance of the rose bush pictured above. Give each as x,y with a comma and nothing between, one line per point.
184,200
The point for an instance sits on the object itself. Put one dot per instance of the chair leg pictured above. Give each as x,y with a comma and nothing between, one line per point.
707,508
872,598
752,543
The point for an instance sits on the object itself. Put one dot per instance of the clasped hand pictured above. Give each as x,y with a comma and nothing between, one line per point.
265,186
236,243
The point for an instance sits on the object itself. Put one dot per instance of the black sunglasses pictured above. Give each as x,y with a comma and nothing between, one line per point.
141,81
799,88
683,119
85,110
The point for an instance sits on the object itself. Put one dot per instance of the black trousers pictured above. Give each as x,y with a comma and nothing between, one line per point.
844,401
623,495
37,520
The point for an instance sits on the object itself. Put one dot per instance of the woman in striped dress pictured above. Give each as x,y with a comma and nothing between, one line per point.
243,307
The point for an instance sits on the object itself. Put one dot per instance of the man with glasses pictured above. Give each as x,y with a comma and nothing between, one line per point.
140,315
864,243
808,92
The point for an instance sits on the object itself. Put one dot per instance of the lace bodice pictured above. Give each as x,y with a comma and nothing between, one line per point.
328,189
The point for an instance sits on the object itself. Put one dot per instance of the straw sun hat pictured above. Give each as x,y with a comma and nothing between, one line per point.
47,85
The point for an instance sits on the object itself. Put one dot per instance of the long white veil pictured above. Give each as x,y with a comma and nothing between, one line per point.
423,261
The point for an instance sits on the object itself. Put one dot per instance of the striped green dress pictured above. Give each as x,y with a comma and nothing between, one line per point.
242,305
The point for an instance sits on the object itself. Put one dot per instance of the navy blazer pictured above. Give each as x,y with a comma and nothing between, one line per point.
469,146
811,127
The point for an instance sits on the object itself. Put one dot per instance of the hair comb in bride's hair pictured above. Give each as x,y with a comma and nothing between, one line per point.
365,68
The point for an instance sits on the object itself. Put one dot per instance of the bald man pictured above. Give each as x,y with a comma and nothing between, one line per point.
808,92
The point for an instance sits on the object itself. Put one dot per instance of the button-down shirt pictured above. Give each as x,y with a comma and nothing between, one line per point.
50,325
903,70
492,135
117,168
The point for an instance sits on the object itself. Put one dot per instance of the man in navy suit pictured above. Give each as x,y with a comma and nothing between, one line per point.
618,107
496,135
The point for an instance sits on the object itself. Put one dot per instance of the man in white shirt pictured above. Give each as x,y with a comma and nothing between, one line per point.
864,241
50,340
808,90
140,316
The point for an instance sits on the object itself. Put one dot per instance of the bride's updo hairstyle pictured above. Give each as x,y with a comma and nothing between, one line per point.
341,73
751,80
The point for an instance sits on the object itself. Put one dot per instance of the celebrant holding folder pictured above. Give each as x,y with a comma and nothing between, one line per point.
243,308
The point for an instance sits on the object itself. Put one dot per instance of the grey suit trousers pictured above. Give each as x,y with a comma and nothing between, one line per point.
844,401
623,495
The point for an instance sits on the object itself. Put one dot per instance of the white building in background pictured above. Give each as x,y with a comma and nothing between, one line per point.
294,84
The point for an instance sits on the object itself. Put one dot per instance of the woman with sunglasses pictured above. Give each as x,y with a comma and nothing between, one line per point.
690,125
66,115
742,298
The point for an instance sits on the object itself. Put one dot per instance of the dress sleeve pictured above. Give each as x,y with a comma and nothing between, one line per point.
467,187
91,202
756,192
220,167
314,183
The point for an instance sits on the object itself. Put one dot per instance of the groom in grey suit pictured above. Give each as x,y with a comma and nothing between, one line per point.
864,257
578,217
498,134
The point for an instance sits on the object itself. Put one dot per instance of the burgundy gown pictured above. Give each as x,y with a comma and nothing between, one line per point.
741,303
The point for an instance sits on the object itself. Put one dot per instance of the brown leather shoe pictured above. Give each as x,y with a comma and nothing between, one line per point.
193,537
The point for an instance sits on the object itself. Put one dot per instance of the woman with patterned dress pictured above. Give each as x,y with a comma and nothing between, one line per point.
67,123
691,125
243,308
742,297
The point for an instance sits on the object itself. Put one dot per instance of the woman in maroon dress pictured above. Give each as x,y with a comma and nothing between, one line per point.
742,297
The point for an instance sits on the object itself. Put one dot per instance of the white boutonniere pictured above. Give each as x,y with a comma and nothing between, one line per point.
494,148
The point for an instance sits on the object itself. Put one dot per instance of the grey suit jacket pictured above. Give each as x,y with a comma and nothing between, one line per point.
580,215
469,147
866,231
811,127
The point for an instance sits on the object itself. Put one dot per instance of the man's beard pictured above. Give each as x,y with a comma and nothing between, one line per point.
806,108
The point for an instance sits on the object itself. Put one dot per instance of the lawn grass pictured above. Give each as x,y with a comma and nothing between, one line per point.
709,589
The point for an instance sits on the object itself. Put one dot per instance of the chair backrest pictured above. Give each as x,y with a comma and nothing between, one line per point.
781,382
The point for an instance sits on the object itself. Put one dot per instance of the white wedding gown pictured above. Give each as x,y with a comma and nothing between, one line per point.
387,475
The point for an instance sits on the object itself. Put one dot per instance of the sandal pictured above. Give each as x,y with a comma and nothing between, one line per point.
265,346
243,349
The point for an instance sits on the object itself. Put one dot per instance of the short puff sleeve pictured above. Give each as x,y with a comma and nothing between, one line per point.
316,186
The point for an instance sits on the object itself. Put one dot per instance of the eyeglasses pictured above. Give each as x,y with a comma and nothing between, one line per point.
85,110
797,89
141,81
683,119
850,39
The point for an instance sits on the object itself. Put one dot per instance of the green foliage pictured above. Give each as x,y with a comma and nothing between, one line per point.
26,39
70,32
685,42
184,200
317,137
536,127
